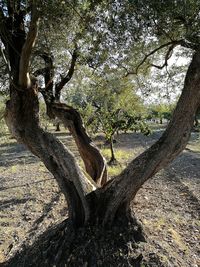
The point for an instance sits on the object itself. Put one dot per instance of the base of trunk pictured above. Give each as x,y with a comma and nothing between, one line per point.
113,162
88,246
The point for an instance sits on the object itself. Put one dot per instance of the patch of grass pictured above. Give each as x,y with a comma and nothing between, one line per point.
177,239
2,257
114,170
160,222
14,169
41,167
120,154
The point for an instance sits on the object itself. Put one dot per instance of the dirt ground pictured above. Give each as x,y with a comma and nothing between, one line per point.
167,205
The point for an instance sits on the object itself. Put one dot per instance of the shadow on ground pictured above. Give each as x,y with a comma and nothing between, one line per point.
13,153
90,246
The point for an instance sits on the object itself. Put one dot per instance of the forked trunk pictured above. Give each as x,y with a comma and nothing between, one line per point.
111,201
86,202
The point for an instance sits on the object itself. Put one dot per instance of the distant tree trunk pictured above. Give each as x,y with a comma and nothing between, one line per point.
196,122
112,158
58,127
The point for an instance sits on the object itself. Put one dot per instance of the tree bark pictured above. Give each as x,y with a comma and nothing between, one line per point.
22,120
24,79
94,162
112,159
123,188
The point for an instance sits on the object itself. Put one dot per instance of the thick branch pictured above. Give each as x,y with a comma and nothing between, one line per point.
123,188
24,79
95,164
68,77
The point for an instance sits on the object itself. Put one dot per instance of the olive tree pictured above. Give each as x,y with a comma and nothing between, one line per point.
156,26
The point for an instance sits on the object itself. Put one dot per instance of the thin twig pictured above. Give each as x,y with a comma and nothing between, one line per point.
172,43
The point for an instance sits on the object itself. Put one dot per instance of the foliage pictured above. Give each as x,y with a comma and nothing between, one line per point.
3,127
44,119
161,111
109,105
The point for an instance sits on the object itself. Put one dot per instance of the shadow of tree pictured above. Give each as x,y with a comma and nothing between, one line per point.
46,209
13,201
91,246
183,171
3,188
13,153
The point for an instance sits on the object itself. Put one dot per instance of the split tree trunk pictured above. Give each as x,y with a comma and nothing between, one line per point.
22,120
86,202
105,204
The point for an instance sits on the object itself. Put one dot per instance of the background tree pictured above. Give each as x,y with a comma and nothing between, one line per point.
161,111
109,105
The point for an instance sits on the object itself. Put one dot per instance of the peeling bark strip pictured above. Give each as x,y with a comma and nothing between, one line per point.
123,188
95,164
24,79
